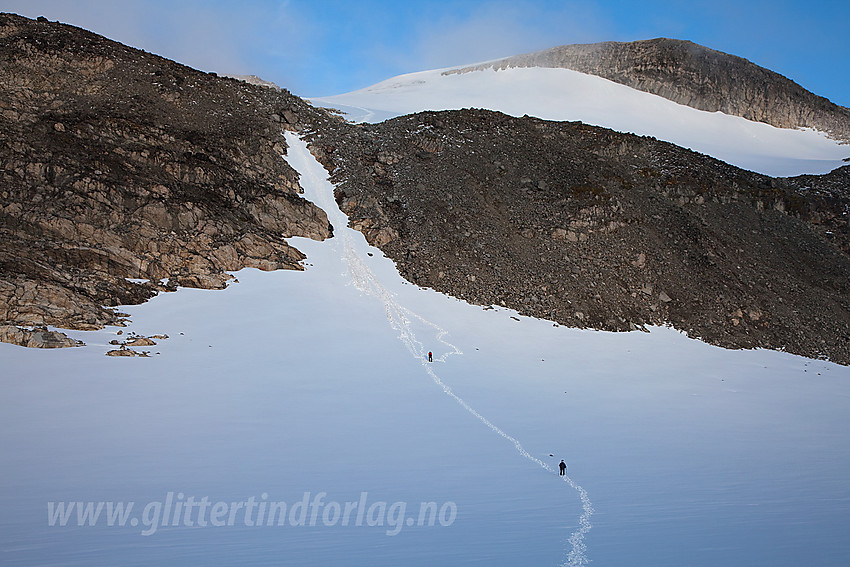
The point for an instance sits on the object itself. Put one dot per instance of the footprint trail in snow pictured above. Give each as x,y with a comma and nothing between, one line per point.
319,190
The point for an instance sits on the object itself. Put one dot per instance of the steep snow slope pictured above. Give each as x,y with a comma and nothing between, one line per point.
563,94
287,383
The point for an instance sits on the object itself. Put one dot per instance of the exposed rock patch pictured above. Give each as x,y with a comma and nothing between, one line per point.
133,341
38,337
127,352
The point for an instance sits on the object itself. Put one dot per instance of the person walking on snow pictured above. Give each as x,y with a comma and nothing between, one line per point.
563,467
430,357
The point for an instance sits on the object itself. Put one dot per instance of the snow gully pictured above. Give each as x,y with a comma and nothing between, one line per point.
403,320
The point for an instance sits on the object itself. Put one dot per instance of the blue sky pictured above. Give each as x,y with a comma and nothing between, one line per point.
324,47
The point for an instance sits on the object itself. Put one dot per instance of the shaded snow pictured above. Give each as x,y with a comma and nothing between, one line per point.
566,95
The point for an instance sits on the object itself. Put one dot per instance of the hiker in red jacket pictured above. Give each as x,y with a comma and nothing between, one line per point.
430,357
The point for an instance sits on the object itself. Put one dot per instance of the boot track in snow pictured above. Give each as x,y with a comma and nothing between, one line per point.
318,189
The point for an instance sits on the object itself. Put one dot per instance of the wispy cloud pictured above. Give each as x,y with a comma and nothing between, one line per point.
501,29
226,37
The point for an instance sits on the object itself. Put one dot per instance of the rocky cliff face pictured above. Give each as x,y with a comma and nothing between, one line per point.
591,228
119,164
696,76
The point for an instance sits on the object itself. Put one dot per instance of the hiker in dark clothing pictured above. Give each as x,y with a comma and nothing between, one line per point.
563,467
430,357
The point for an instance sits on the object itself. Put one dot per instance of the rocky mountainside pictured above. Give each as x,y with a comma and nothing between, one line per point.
696,76
120,164
124,175
592,228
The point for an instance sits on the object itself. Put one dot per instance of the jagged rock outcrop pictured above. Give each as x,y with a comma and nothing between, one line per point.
593,228
118,164
696,76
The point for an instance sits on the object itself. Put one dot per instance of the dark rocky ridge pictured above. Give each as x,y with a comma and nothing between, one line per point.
117,164
696,76
592,228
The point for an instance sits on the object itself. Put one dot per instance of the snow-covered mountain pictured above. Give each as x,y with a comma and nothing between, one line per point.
337,414
564,94
694,75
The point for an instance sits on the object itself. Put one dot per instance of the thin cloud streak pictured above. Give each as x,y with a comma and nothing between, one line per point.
503,29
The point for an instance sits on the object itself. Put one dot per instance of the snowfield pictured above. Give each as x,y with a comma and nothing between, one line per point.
566,95
313,389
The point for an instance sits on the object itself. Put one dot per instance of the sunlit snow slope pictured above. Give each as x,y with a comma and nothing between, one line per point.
563,94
